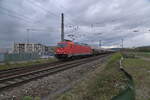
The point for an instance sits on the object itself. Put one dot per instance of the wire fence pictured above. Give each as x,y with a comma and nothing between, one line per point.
1,57
18,57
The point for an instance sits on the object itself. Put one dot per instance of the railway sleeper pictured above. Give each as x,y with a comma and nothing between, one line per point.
10,82
30,76
2,85
25,78
17,80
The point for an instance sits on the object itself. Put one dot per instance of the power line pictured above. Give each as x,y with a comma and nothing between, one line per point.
17,17
68,19
17,14
42,8
66,14
24,18
11,14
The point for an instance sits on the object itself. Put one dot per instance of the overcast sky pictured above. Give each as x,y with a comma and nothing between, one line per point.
88,20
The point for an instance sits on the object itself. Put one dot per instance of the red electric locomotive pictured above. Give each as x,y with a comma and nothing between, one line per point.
67,49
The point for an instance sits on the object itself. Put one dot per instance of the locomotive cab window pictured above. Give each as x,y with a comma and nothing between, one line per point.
61,45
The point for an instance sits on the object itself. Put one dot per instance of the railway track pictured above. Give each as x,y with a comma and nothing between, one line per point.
11,78
13,71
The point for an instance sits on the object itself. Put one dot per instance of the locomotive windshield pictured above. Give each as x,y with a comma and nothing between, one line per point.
61,45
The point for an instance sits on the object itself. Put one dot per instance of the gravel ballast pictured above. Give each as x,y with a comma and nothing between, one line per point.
48,87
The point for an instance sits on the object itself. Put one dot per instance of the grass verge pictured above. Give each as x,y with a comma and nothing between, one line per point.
140,71
100,84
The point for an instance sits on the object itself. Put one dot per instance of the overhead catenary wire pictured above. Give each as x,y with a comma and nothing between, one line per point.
15,14
22,17
37,5
16,17
47,11
28,20
34,3
68,20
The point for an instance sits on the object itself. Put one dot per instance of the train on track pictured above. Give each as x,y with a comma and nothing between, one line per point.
69,49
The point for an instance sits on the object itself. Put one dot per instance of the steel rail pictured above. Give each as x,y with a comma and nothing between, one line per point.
17,80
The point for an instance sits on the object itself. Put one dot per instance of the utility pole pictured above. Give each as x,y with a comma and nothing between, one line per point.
122,42
14,46
100,43
62,27
28,36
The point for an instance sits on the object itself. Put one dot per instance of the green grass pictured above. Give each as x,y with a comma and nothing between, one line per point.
8,65
143,54
140,71
101,84
31,98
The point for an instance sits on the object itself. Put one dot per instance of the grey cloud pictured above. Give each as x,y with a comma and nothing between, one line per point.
116,19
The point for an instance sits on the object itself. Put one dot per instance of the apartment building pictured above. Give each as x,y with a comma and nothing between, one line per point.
30,48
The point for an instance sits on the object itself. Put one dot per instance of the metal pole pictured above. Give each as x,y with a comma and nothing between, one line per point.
28,36
122,43
62,27
100,43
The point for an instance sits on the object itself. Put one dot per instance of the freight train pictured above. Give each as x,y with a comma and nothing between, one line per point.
69,49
